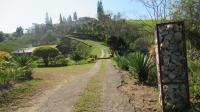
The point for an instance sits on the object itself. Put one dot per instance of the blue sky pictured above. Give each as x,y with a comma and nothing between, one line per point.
25,12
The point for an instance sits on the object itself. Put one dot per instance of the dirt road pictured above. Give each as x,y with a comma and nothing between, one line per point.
63,97
113,99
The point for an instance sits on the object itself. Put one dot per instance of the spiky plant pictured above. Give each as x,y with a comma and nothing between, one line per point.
140,64
25,63
121,62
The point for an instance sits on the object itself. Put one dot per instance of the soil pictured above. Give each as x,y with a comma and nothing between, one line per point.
143,97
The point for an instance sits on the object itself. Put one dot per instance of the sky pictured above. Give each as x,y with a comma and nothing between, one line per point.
15,13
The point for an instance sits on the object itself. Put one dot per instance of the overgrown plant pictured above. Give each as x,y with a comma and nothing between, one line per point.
140,64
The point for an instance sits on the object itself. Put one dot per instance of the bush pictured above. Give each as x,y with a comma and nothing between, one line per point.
117,45
47,53
59,61
26,63
140,64
194,79
141,45
4,55
121,62
80,52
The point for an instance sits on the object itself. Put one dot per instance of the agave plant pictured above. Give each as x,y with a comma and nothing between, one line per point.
25,64
23,61
121,62
140,64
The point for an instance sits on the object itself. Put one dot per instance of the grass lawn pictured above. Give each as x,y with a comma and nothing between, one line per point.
90,99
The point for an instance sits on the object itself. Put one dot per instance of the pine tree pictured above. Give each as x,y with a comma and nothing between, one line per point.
47,18
61,19
100,11
64,19
69,19
75,18
50,22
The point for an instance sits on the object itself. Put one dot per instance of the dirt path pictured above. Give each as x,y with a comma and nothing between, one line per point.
113,99
62,98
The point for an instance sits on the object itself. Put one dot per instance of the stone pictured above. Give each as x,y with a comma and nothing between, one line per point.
178,37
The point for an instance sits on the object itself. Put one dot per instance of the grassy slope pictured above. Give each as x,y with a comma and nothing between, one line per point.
96,46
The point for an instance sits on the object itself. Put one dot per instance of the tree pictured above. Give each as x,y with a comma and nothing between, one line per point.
48,20
75,18
100,11
61,19
158,10
2,36
117,45
64,19
188,10
19,31
64,46
69,19
46,53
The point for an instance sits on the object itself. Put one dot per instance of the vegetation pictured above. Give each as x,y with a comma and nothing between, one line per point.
122,62
141,65
16,68
47,53
4,55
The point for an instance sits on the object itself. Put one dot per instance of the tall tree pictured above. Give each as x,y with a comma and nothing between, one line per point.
64,19
19,31
188,10
75,18
2,36
69,19
47,18
100,11
61,19
48,21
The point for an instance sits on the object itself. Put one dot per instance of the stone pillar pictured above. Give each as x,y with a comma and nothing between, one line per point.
172,66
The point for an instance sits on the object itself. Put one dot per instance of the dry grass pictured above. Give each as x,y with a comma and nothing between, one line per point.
144,98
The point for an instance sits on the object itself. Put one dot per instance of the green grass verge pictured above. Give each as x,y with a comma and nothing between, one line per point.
90,100
63,70
14,95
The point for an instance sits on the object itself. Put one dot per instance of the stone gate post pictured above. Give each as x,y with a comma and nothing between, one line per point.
172,68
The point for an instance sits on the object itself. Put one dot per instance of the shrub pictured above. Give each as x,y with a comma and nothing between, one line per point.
80,52
117,45
194,79
26,63
60,60
140,64
141,45
4,55
46,53
121,62
6,72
